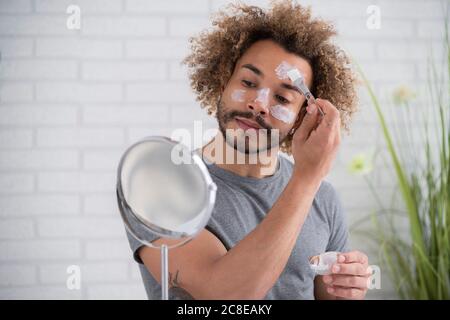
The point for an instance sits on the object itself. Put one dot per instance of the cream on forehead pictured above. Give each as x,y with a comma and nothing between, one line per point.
263,96
238,95
283,69
282,113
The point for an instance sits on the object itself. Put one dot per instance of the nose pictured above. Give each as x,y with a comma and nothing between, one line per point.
261,102
257,108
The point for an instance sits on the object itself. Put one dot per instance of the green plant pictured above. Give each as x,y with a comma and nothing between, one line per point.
419,265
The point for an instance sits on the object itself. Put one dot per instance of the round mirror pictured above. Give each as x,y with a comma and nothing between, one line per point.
164,190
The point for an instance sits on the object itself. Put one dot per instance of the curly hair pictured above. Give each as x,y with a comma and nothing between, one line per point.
214,54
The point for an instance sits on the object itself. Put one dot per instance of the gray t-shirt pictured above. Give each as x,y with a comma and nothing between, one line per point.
243,202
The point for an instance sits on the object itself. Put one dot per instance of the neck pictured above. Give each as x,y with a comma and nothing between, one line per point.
226,157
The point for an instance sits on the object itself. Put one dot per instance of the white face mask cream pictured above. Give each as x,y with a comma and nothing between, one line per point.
322,263
238,95
263,97
298,80
282,70
282,113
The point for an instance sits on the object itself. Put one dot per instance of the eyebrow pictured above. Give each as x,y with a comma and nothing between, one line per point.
260,73
290,87
254,69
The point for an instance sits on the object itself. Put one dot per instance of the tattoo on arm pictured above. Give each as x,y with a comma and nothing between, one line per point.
175,291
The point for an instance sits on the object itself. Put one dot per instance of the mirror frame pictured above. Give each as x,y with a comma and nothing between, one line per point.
210,196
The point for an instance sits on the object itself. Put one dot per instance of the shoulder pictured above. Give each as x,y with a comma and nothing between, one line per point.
328,204
286,163
328,198
327,190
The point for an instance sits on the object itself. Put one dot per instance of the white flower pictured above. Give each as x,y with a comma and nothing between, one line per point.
361,164
402,95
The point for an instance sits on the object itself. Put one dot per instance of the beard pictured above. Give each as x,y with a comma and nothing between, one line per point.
226,115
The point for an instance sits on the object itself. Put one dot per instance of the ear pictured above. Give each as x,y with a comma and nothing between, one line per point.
222,88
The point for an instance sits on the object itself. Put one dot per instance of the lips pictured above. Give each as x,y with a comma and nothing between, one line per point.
246,124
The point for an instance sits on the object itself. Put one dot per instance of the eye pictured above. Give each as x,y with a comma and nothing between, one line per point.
248,84
282,99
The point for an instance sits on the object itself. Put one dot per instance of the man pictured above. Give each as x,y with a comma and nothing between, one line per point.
271,216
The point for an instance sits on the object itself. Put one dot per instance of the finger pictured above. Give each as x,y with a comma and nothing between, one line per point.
355,269
309,122
349,293
346,281
330,111
353,256
327,106
299,119
331,117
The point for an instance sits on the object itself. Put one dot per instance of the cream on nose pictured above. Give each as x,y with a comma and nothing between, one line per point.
261,101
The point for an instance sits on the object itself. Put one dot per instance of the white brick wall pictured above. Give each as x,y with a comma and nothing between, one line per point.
71,101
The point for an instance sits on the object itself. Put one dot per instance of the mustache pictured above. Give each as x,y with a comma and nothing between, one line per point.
248,115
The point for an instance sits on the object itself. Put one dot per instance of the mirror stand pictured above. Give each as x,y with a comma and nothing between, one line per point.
164,272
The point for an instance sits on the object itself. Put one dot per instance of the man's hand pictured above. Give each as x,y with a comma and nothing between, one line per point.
316,141
349,278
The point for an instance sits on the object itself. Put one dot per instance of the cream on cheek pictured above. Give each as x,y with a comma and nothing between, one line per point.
238,95
262,96
282,113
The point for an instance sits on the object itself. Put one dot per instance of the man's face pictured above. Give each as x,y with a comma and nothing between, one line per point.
259,95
